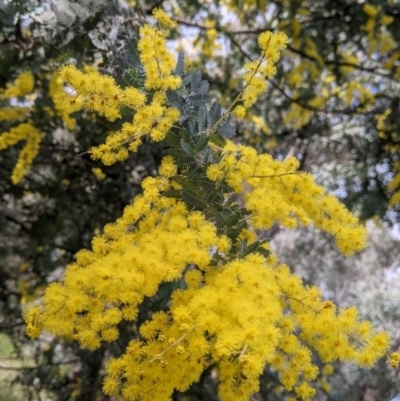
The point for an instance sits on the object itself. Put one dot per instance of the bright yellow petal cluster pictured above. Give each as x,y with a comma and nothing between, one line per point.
370,10
163,18
101,94
237,310
256,72
64,103
277,192
210,42
239,112
22,85
94,91
23,132
394,186
98,172
13,113
157,61
241,316
128,262
394,360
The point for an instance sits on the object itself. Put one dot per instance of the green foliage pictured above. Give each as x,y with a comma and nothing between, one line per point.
61,204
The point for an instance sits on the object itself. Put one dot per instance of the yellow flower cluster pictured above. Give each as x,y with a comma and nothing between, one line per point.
93,91
394,186
277,192
163,18
64,103
373,12
388,131
256,72
24,131
22,85
323,383
209,42
370,10
157,61
238,313
128,262
394,360
355,92
101,94
98,172
376,37
243,315
13,113
297,116
232,7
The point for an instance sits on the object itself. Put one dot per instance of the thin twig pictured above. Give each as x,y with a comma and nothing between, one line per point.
256,31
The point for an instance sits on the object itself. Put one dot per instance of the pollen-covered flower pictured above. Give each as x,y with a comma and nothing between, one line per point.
162,17
239,112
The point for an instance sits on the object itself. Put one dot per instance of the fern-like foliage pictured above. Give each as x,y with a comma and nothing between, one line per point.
195,142
195,146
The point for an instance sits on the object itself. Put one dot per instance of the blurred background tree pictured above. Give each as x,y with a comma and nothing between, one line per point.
334,104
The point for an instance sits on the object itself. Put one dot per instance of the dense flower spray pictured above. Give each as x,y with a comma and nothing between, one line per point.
237,308
18,109
23,85
23,132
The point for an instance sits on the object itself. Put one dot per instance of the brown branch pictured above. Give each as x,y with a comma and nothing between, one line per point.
2,367
20,224
274,84
315,109
192,23
255,31
337,63
283,92
237,44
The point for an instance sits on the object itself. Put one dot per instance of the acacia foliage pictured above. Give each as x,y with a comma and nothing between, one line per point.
184,149
209,194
